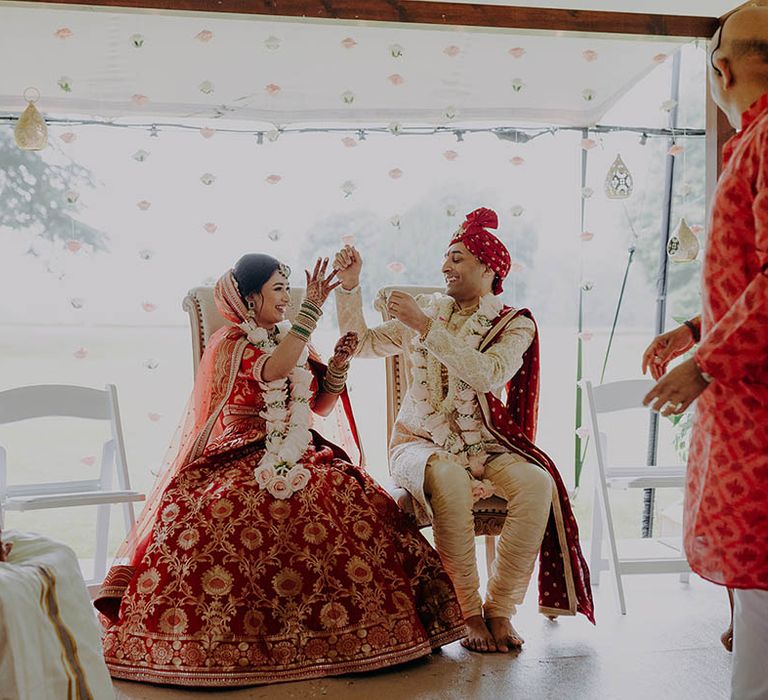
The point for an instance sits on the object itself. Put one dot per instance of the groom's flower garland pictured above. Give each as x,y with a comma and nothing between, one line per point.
466,444
287,414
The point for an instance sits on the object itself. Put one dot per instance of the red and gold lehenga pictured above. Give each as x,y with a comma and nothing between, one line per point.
225,584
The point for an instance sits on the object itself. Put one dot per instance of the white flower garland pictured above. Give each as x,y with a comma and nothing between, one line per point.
466,444
287,414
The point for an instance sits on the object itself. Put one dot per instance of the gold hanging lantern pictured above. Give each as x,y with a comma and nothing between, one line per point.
31,131
618,181
683,246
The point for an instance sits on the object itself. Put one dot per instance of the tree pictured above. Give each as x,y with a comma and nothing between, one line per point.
41,196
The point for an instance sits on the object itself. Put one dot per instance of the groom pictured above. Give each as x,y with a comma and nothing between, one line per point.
466,430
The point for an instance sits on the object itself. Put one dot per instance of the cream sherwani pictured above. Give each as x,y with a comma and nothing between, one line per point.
439,485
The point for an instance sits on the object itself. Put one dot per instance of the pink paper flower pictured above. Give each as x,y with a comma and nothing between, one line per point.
139,99
516,266
143,205
588,144
395,173
90,460
586,336
517,160
660,58
204,36
396,79
349,43
349,142
154,417
349,239
396,267
589,55
696,229
273,89
68,137
451,50
148,306
274,179
517,52
210,227
586,236
73,246
676,150
450,155
64,33
206,132
582,432
81,353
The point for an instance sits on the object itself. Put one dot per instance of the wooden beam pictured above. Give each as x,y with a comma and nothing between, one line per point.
441,14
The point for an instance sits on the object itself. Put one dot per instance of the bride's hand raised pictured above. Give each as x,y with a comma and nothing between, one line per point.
318,285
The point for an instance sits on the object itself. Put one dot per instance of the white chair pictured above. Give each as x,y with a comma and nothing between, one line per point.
48,400
489,513
609,398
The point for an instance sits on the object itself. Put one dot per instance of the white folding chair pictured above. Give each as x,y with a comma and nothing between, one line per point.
609,398
63,400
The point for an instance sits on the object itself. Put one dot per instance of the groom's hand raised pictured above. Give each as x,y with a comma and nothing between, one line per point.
348,263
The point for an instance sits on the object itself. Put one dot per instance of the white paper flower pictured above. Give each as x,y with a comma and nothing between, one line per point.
280,488
263,474
467,423
275,396
434,420
472,437
298,477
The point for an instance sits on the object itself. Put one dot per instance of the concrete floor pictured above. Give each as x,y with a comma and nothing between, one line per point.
667,647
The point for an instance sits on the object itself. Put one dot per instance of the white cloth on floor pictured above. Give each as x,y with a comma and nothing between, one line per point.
50,645
750,645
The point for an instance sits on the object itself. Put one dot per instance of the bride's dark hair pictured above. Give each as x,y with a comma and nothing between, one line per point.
253,270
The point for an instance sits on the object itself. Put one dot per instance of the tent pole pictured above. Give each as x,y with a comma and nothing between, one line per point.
649,495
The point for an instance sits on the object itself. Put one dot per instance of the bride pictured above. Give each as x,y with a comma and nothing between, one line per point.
263,553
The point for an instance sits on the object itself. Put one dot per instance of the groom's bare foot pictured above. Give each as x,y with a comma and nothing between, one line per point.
479,637
505,636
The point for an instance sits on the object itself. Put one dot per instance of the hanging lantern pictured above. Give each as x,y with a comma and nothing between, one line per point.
31,131
683,246
618,181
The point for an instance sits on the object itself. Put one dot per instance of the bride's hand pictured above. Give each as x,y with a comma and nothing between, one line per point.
345,349
318,285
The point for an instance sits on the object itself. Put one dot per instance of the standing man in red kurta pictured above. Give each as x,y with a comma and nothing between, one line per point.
726,508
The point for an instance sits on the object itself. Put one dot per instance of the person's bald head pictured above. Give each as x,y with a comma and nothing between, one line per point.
739,61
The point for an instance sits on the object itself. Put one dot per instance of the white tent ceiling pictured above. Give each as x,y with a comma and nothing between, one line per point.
142,65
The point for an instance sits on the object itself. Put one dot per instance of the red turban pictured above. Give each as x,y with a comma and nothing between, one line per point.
488,249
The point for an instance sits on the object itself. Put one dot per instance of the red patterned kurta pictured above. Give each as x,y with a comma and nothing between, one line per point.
236,587
726,528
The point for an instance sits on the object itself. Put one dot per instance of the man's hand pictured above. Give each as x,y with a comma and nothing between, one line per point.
665,348
345,348
404,308
348,263
677,390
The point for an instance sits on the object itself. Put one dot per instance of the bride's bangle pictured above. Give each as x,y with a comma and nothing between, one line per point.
306,320
335,378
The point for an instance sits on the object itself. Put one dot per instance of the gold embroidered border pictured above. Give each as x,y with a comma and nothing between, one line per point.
78,684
